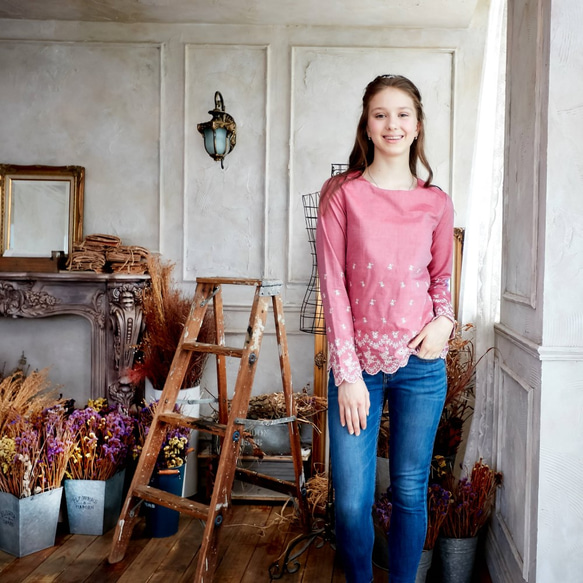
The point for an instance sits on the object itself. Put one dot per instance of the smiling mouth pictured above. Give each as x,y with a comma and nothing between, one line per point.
393,138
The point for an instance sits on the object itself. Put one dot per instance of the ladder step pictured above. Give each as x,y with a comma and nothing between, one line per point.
162,498
194,346
178,420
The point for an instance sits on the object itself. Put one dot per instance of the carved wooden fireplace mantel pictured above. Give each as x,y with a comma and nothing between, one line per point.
111,302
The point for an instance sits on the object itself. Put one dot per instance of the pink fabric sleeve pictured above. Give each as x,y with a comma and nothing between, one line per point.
331,258
440,265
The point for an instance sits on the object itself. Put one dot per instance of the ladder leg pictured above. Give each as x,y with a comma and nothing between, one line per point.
221,359
294,432
221,497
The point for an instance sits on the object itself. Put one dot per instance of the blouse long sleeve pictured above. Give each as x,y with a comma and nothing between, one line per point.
331,254
440,266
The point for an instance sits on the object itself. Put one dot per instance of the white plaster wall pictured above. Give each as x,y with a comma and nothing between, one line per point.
124,101
560,556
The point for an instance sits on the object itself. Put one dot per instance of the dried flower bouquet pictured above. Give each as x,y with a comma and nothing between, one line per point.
104,436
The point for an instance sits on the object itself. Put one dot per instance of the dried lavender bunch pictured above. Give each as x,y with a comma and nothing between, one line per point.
472,501
34,452
175,445
438,501
103,439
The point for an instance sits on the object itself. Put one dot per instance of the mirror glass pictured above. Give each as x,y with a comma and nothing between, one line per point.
42,209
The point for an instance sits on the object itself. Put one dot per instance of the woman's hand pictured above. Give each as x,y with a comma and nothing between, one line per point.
354,405
432,339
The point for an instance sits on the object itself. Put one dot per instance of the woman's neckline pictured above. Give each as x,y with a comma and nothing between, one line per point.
415,185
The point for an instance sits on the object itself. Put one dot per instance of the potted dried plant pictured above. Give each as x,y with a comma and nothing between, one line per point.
165,311
169,472
104,437
471,504
35,445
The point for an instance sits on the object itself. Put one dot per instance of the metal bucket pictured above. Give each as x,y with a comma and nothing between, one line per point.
457,557
93,506
28,525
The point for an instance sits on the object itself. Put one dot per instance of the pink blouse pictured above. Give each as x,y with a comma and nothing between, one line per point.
384,263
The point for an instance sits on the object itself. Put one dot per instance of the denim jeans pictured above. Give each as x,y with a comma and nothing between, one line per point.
416,395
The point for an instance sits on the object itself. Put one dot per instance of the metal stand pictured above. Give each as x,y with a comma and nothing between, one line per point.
322,533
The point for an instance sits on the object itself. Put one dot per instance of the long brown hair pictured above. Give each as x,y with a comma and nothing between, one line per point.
362,153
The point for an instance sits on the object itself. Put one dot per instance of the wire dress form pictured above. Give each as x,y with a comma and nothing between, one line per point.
311,314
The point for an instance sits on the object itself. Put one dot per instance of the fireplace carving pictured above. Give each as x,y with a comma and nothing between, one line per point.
111,302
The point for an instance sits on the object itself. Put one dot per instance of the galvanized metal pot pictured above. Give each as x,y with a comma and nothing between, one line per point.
28,525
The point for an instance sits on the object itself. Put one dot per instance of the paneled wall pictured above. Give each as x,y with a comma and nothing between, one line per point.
123,100
537,531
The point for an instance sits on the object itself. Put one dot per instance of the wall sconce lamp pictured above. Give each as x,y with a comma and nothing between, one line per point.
219,133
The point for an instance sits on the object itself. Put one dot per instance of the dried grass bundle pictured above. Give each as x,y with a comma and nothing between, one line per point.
165,311
23,396
460,366
317,496
272,406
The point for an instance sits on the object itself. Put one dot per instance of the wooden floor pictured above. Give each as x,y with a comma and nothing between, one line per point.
251,541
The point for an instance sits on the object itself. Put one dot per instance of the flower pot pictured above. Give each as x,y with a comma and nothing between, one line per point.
187,401
424,565
457,557
29,524
381,557
93,506
161,521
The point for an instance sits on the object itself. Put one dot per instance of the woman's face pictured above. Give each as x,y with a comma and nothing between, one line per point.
392,122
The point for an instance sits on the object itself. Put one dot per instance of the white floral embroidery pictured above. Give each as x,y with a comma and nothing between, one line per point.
382,283
369,353
392,302
372,302
402,284
369,266
362,284
390,266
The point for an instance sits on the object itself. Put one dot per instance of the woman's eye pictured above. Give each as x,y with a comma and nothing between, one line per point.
404,115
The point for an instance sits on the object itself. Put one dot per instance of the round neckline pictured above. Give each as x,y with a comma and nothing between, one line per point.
390,189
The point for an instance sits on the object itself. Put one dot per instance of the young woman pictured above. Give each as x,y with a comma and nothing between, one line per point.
384,250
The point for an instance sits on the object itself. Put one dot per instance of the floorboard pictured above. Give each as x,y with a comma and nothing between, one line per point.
252,538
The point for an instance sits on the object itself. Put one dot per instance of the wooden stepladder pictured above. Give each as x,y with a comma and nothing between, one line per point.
230,426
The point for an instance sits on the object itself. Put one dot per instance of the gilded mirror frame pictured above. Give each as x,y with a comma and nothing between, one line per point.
75,175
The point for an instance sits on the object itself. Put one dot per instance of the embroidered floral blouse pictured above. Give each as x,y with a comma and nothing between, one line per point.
384,263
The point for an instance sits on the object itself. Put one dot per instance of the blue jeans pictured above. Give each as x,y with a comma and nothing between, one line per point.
416,395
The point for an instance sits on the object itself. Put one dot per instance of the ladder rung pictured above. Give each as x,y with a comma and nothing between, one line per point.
265,481
194,346
178,420
162,498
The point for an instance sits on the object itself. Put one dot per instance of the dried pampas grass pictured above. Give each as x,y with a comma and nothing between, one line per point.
24,396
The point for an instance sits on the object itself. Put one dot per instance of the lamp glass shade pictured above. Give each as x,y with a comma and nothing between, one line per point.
215,141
